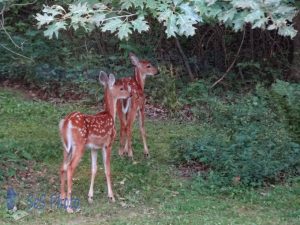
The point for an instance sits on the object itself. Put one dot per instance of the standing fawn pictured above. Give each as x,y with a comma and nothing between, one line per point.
97,131
127,109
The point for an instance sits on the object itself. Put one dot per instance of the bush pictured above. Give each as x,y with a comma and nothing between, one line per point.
161,89
286,97
247,141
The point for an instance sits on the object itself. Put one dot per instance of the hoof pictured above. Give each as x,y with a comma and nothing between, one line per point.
90,200
130,155
122,153
62,196
70,210
146,155
111,199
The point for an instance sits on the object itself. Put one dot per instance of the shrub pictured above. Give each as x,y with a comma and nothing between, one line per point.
161,89
286,97
246,141
197,95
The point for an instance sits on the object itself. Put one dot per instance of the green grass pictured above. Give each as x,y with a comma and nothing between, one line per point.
147,191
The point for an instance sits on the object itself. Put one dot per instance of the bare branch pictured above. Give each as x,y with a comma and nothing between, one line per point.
24,4
2,27
23,56
233,62
185,59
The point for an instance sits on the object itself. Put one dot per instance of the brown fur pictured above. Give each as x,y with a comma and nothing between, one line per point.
95,131
136,84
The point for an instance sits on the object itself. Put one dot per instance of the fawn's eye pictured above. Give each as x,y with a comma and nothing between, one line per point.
148,66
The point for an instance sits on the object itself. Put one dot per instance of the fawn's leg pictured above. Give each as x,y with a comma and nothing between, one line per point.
122,118
94,154
142,130
63,170
106,151
78,152
130,121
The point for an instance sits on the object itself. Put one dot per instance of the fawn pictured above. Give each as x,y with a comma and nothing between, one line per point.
79,131
127,109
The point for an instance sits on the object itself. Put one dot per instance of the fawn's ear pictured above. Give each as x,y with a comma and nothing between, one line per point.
134,60
103,78
111,80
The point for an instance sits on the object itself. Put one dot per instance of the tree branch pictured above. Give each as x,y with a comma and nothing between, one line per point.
185,59
1,45
233,62
25,4
2,27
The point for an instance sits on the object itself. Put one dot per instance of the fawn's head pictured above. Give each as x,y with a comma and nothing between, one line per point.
144,66
116,91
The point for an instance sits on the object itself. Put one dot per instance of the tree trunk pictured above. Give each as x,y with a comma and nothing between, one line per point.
295,72
185,60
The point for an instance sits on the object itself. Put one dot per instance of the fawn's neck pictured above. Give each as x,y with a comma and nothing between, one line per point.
110,105
140,78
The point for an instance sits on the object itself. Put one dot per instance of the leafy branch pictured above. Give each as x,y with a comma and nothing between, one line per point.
178,17
2,28
56,18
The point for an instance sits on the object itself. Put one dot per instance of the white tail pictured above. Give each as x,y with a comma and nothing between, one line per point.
79,131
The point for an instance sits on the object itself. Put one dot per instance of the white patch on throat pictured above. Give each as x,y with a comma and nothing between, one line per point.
125,108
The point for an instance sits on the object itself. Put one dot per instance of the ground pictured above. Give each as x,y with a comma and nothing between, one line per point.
148,191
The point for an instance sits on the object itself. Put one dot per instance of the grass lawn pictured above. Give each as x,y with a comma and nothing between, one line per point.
147,191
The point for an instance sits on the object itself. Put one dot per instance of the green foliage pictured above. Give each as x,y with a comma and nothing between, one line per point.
13,158
162,89
90,17
72,63
203,104
247,140
178,17
22,131
286,97
256,71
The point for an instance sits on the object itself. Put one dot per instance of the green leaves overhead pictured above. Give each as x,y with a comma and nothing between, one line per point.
124,31
254,16
179,20
140,24
112,25
245,4
227,16
54,28
126,4
44,19
55,19
287,31
179,17
170,23
53,10
79,9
